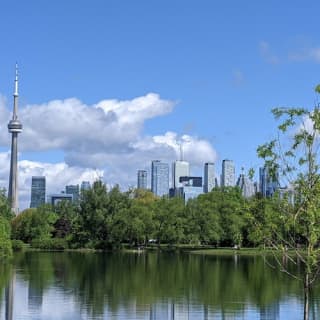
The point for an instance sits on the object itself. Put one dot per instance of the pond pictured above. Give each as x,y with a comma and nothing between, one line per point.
72,285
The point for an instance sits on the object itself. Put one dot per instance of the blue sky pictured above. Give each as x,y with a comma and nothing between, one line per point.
224,63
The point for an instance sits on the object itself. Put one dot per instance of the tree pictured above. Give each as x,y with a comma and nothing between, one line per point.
5,243
5,216
66,212
169,220
89,227
35,223
203,220
262,220
294,155
140,217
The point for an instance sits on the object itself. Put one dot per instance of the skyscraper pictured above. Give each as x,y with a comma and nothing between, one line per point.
159,178
38,191
246,186
142,177
74,191
179,169
268,185
85,185
228,173
14,127
209,177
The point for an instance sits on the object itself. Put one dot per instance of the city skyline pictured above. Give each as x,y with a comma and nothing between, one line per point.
141,79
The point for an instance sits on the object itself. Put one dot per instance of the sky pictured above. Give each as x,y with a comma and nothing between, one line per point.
107,86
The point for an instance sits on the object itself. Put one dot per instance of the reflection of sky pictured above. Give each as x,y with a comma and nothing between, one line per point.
56,304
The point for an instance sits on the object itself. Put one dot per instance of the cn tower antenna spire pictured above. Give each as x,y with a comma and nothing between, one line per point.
15,95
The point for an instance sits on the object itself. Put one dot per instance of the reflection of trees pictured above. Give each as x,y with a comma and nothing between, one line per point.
5,274
218,283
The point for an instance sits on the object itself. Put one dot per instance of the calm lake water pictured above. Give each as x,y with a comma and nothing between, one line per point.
147,286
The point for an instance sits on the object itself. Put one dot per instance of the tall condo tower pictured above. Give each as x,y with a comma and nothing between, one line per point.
38,191
159,178
142,177
228,173
209,177
14,127
180,169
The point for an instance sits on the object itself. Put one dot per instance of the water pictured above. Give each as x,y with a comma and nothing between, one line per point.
148,286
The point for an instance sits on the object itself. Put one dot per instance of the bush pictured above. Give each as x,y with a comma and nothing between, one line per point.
5,243
18,245
49,244
5,248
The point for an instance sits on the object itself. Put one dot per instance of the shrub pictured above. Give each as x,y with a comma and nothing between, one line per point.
18,245
5,243
49,244
5,248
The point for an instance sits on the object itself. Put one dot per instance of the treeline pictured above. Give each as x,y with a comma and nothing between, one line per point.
5,229
106,219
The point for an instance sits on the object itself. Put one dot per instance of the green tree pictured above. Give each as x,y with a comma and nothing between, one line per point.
202,224
169,220
5,216
263,220
5,243
89,227
5,210
140,217
294,155
66,212
33,224
101,219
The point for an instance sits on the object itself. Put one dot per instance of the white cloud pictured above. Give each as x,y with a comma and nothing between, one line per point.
58,175
71,125
107,135
306,54
267,53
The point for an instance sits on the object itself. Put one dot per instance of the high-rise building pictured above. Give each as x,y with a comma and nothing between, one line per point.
142,178
14,127
74,191
228,173
191,181
209,177
268,184
38,191
179,169
54,199
85,185
246,186
191,187
159,178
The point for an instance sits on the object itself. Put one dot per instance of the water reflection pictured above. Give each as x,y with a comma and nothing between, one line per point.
148,286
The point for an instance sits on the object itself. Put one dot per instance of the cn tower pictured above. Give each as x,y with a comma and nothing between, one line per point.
14,127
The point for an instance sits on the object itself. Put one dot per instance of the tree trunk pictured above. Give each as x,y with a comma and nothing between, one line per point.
306,289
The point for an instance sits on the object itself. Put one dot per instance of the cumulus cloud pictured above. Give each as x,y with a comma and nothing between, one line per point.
72,125
58,175
107,135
